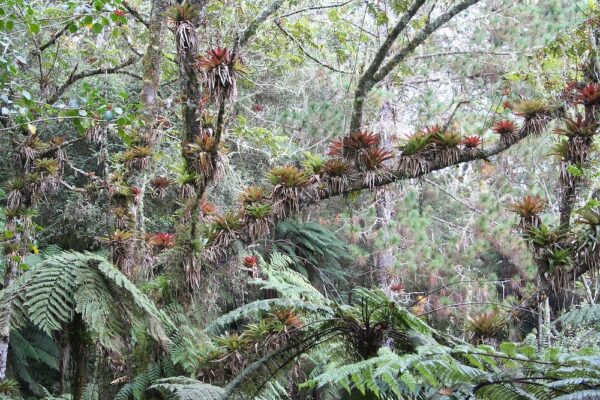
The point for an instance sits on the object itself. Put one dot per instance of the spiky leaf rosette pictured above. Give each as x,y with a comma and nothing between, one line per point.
588,95
288,182
413,160
221,68
536,114
187,183
138,157
252,194
488,325
121,217
472,142
588,252
159,186
118,242
373,161
354,145
472,145
258,219
445,144
337,171
182,16
203,157
221,232
580,134
161,240
508,132
528,209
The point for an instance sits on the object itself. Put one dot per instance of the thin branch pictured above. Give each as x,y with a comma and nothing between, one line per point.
468,303
74,77
306,53
253,26
135,13
465,52
447,124
11,127
314,9
365,82
54,38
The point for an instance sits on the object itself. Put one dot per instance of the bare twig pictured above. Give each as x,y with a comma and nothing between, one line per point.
76,76
306,53
135,13
316,8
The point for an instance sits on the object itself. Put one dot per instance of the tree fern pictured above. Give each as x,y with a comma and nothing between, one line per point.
586,314
287,282
309,244
414,361
259,308
32,355
188,389
66,283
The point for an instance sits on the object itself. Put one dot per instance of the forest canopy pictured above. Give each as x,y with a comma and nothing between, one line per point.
299,199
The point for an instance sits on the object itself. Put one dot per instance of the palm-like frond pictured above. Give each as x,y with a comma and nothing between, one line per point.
66,283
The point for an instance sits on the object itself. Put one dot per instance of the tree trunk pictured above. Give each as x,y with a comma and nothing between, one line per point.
384,257
79,356
9,277
149,98
384,205
21,227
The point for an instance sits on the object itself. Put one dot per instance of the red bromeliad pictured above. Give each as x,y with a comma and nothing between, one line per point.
162,240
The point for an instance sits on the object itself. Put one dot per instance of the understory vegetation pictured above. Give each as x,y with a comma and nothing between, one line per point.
299,200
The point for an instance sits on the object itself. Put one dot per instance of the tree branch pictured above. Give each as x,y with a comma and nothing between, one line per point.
376,73
314,9
365,83
76,76
251,29
307,54
420,37
53,38
321,188
136,14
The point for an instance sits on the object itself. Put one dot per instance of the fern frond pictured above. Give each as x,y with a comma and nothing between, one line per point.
66,283
259,308
184,388
586,314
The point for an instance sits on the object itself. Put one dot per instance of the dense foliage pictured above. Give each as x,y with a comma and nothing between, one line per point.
292,199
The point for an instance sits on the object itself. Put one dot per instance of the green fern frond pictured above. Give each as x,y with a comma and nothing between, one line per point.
66,283
188,389
586,314
259,308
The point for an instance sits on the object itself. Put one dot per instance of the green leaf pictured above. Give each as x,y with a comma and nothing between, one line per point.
34,28
574,170
97,28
